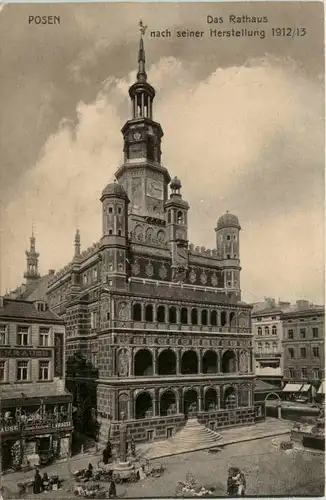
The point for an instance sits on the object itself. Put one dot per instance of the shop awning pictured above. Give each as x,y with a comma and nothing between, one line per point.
321,389
292,388
305,388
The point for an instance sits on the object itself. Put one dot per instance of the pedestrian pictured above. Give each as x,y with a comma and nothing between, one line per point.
112,490
89,472
37,486
45,482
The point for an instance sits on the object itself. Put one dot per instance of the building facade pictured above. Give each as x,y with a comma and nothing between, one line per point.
303,344
35,408
158,322
267,328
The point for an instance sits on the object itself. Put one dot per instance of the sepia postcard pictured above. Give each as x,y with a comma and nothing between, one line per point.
162,250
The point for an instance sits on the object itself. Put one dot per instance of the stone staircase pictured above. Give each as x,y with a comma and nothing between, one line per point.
193,436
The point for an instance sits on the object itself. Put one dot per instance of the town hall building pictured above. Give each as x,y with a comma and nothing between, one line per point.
155,327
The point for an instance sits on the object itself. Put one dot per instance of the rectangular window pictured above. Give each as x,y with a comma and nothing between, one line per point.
291,352
315,373
95,273
3,335
315,332
23,335
44,370
303,372
22,370
315,352
290,334
302,333
291,372
169,432
44,337
303,352
2,371
150,435
93,320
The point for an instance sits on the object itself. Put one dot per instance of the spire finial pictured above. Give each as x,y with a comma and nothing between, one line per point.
77,243
141,75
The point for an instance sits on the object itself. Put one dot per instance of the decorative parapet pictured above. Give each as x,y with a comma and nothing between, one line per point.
89,252
203,251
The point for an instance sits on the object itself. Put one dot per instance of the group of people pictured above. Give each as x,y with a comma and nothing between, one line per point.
236,483
44,483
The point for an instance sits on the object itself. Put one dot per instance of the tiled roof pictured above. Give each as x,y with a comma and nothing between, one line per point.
24,309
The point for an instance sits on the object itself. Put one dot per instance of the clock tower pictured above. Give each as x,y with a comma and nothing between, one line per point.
142,175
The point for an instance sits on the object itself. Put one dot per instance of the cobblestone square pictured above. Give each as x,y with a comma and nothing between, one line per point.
268,472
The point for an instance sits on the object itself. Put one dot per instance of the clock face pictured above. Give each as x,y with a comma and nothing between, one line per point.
137,136
155,189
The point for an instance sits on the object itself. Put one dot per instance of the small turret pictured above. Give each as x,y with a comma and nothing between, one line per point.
32,256
228,247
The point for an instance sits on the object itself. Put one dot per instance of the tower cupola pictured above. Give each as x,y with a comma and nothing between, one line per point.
32,256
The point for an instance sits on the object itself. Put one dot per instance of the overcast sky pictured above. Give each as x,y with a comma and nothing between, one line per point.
243,123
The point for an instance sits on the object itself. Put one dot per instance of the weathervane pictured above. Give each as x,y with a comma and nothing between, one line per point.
142,28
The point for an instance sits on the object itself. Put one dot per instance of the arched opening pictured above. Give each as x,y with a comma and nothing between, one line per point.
232,319
123,405
144,405
172,315
204,317
168,404
160,314
194,316
143,363
179,217
190,399
223,318
167,362
229,364
210,400
184,315
136,312
275,396
169,216
210,362
189,363
230,398
149,313
214,318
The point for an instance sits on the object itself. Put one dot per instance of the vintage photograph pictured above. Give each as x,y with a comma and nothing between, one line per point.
162,250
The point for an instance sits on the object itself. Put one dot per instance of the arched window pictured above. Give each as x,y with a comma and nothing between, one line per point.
223,318
214,318
204,317
160,314
136,312
274,330
149,312
260,331
194,317
172,315
267,347
184,316
266,330
274,347
180,217
260,348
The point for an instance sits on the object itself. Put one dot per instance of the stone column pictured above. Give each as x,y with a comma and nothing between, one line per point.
199,317
178,314
218,318
142,305
178,400
156,399
131,363
154,353
218,397
131,406
200,398
178,361
123,439
200,361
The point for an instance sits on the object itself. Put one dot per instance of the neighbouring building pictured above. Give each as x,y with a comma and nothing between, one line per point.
35,408
303,344
156,330
267,328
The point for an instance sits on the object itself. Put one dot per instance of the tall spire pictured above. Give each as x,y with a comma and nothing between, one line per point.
32,256
141,75
77,243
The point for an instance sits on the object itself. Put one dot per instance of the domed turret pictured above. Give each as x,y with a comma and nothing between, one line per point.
228,220
114,189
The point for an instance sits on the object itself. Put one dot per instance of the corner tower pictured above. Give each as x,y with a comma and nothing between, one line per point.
32,256
228,246
142,174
